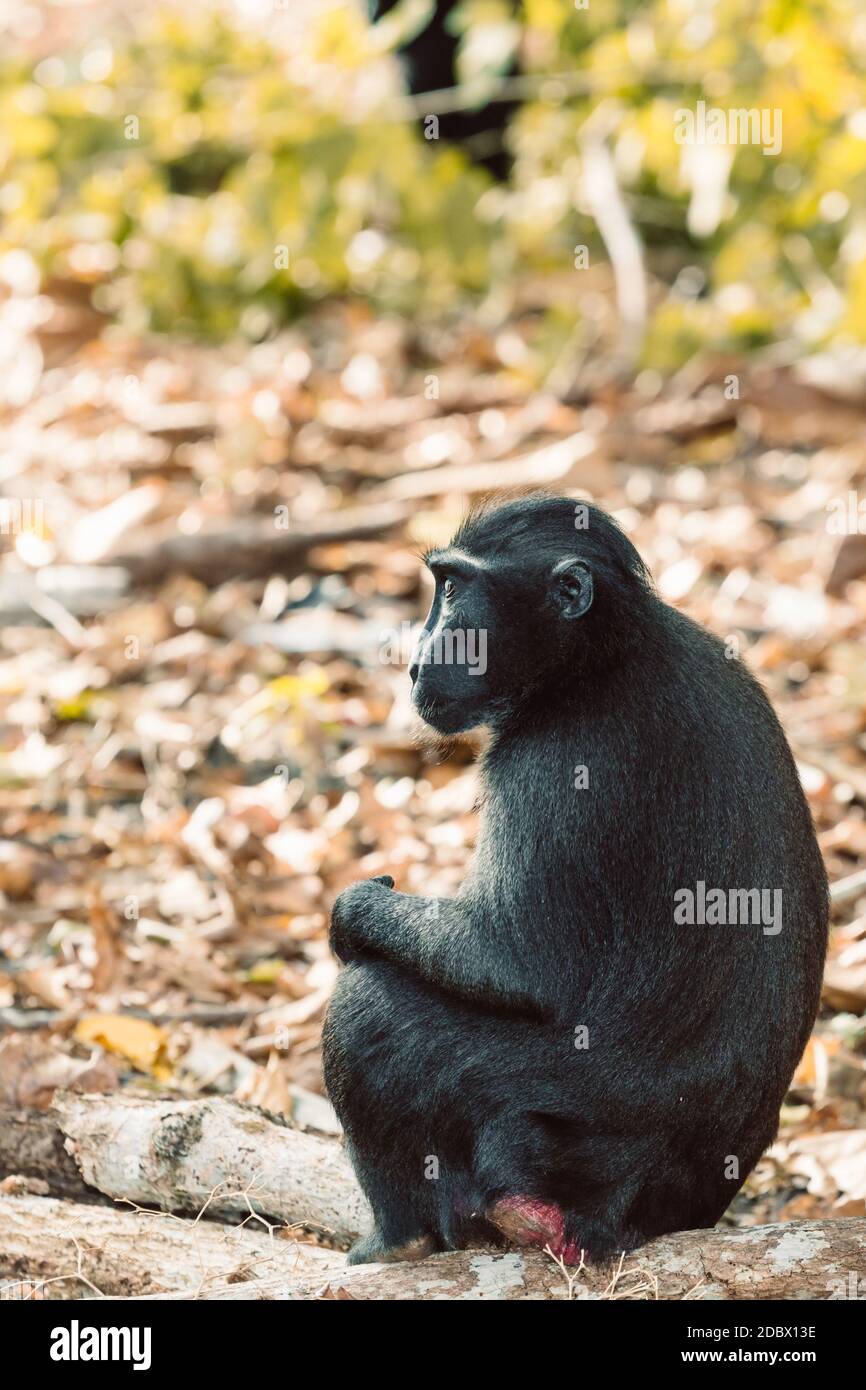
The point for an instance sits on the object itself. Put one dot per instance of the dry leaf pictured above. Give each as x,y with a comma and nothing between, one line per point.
140,1042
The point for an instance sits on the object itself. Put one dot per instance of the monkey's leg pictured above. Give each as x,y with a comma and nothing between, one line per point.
377,1049
401,1230
374,1249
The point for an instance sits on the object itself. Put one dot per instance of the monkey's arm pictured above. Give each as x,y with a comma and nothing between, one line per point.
434,940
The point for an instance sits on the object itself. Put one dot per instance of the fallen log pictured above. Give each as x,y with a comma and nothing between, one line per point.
801,1260
56,1249
93,1250
228,1160
231,1160
184,1155
252,549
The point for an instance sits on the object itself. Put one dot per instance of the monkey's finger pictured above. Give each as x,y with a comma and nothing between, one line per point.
386,879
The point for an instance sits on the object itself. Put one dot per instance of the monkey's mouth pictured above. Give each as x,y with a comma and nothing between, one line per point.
446,716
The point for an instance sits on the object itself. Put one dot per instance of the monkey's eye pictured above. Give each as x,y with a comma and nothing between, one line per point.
449,588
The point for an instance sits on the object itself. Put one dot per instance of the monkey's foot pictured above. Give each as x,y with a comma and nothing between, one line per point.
371,1249
530,1221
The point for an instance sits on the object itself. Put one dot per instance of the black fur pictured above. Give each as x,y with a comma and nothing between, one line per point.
451,1035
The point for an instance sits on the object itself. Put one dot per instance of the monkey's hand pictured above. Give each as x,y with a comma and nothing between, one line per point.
356,913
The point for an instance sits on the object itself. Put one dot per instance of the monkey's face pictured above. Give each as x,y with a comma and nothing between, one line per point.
451,679
493,634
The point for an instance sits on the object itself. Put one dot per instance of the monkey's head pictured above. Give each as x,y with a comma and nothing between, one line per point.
532,596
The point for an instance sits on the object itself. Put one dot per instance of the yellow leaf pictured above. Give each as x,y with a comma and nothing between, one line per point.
265,972
140,1042
78,708
813,1063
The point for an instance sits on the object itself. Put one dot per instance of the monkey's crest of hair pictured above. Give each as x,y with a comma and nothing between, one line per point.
542,527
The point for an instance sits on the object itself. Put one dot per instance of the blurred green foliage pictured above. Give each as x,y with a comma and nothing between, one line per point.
203,189
205,181
756,247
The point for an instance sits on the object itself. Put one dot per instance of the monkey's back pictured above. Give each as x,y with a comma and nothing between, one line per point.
672,1043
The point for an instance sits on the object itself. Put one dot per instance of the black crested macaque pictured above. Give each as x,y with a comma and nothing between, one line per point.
588,1046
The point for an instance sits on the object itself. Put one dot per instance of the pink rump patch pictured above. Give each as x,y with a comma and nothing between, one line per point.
530,1221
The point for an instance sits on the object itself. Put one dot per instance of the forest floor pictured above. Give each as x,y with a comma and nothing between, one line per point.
192,767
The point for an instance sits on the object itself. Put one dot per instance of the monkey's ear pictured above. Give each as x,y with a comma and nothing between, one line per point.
572,588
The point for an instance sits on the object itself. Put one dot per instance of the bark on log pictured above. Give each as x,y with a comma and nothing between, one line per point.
230,1159
150,1255
31,1145
253,548
250,549
804,1259
85,1249
182,1155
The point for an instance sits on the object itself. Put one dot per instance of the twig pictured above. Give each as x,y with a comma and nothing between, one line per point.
845,890
526,86
616,230
213,1015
